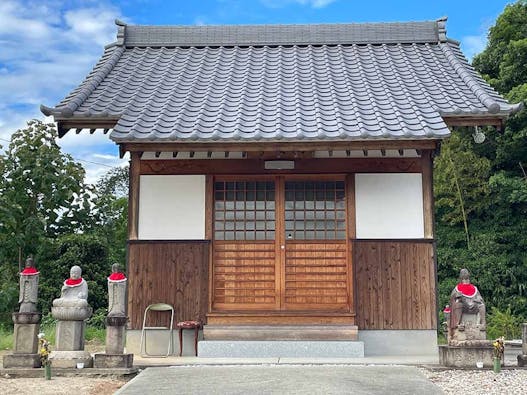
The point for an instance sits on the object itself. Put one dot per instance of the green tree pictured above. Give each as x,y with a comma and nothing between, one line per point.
58,256
42,190
110,211
493,183
461,182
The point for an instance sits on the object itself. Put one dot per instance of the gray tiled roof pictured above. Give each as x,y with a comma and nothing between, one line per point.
281,83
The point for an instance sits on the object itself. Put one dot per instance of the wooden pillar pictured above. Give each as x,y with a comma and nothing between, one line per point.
133,196
428,193
352,234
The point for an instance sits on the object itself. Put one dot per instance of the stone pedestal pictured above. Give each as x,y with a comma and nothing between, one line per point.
113,361
115,334
114,356
466,356
468,332
25,342
69,339
69,359
70,335
522,359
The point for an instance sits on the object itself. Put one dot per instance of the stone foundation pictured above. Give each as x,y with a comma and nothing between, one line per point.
280,348
112,361
22,361
69,359
25,342
466,356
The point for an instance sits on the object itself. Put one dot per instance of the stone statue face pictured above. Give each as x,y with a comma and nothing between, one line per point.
115,268
30,262
75,272
464,276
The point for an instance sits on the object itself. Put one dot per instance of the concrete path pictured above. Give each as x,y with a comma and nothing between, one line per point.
280,379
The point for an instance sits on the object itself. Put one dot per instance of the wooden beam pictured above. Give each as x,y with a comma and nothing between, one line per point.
283,146
133,195
302,166
474,121
85,123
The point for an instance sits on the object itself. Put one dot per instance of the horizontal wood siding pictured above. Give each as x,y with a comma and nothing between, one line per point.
395,284
316,276
244,275
167,272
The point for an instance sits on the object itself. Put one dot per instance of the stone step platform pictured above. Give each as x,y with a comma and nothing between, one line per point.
280,349
280,332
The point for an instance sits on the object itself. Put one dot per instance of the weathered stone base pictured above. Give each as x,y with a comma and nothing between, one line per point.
70,335
69,359
25,338
115,339
112,361
465,357
22,361
522,360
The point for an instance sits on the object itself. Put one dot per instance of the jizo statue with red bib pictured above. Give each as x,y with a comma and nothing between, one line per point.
468,307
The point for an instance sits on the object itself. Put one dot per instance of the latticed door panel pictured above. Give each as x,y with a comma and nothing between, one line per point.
244,258
316,264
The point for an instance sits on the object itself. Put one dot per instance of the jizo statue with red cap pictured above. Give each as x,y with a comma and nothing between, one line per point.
465,298
28,297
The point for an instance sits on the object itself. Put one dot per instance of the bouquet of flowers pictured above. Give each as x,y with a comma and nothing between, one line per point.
499,348
43,350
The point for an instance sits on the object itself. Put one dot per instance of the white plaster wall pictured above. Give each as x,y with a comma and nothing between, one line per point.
171,207
389,206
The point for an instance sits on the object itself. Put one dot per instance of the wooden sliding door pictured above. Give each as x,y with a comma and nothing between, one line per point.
280,244
315,262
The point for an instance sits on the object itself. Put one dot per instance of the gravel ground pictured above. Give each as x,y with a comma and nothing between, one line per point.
474,382
60,386
479,382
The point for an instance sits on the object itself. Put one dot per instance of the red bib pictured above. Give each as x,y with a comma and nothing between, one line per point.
70,282
29,271
467,289
119,276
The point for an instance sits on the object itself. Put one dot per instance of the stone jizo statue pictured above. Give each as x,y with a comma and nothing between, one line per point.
74,292
71,311
28,296
116,292
466,299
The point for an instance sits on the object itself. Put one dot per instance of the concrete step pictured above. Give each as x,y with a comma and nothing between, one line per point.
280,332
280,349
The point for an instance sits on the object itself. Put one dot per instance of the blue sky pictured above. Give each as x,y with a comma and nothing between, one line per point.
48,47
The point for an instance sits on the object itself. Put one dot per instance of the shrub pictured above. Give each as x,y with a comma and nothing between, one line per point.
503,323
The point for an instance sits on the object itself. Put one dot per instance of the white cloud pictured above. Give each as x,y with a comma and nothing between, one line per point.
472,45
47,48
285,3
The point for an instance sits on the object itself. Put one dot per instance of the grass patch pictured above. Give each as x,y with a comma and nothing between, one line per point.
95,335
6,339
